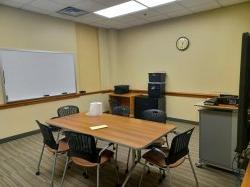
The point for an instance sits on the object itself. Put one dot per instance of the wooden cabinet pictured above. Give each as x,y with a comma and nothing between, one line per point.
127,99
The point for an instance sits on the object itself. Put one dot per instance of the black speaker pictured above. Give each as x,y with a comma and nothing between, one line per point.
121,89
156,89
144,102
157,77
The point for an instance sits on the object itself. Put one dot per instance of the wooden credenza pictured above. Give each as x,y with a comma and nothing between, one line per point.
127,99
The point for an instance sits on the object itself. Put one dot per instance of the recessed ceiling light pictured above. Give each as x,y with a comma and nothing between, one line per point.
152,3
121,9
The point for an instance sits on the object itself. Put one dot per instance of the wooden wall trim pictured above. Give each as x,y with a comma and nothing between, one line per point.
193,95
98,92
70,96
15,104
182,94
48,99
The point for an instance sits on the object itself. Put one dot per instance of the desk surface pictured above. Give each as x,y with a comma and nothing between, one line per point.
130,94
246,179
134,133
220,106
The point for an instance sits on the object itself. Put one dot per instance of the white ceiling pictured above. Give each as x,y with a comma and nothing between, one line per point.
175,9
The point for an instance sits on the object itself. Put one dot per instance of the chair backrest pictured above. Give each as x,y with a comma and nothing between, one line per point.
154,115
67,110
82,145
48,138
179,146
121,110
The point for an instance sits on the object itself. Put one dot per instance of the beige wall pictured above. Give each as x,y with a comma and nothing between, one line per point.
88,57
210,65
109,57
22,119
23,30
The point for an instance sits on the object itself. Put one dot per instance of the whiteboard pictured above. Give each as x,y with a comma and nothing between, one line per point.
34,74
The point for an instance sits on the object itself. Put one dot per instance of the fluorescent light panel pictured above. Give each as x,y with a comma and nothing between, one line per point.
121,9
152,3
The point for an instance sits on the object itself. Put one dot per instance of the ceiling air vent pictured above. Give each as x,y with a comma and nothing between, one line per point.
72,11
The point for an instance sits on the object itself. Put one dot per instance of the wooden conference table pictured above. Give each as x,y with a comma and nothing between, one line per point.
130,132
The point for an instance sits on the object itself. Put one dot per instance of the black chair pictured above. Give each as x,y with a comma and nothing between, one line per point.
67,110
154,115
83,152
122,111
52,146
64,111
165,158
157,116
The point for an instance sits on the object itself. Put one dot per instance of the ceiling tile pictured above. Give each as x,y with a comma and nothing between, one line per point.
89,5
158,17
109,3
67,2
89,18
230,2
191,3
15,3
172,7
47,5
171,10
179,13
204,7
31,8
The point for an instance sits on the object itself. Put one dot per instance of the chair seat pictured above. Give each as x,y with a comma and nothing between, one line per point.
158,143
63,147
156,158
105,157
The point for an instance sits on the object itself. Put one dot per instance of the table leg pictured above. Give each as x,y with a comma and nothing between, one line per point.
134,161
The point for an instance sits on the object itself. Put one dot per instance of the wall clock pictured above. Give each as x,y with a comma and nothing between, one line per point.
182,43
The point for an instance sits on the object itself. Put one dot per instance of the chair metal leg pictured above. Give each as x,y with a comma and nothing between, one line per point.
161,174
167,141
129,151
85,173
144,168
190,161
39,162
53,169
117,171
134,163
170,178
116,152
98,175
148,169
58,136
65,169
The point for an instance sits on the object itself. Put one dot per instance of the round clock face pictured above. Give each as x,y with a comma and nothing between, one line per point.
182,43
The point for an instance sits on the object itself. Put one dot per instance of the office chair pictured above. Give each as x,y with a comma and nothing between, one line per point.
64,111
52,146
122,111
83,152
156,116
67,110
165,159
